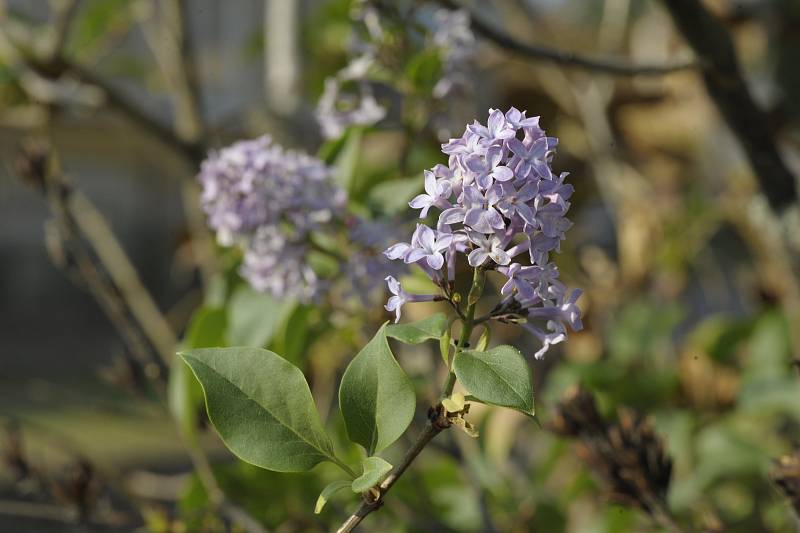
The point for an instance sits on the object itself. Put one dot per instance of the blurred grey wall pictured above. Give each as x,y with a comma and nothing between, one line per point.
49,327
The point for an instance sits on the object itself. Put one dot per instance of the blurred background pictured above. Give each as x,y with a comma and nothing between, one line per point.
678,120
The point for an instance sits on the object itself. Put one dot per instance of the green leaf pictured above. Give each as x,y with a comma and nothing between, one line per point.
206,329
347,159
331,149
483,340
184,397
295,335
329,491
376,396
262,407
95,21
420,331
499,376
424,69
184,394
216,292
322,263
444,346
254,317
392,197
375,471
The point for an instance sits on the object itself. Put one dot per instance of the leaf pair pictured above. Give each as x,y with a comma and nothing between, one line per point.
499,376
262,407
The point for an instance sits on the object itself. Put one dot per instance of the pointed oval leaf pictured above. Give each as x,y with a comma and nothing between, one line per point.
207,328
253,317
376,396
391,197
347,159
432,327
262,407
375,471
184,394
329,491
499,376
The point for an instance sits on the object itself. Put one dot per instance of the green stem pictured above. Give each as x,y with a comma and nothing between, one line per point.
475,292
349,471
448,386
436,424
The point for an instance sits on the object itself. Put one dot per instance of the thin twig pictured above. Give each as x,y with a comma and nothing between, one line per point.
537,52
216,495
73,252
437,417
432,428
81,250
63,14
97,232
726,86
57,513
193,151
70,247
101,261
177,64
168,38
53,64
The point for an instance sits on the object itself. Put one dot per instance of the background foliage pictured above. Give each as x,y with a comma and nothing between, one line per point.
691,299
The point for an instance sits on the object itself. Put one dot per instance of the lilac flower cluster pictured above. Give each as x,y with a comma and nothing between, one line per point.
268,200
499,200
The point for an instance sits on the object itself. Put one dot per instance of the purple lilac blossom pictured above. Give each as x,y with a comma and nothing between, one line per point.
268,200
437,193
498,199
400,297
427,245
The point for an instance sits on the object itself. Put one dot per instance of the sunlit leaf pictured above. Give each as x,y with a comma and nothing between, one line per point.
346,159
392,197
499,376
430,328
444,346
425,69
376,396
253,317
262,407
